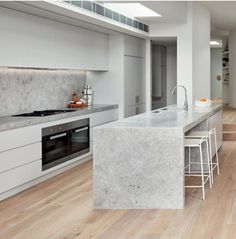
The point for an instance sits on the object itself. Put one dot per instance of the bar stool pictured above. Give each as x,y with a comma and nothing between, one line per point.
198,143
209,135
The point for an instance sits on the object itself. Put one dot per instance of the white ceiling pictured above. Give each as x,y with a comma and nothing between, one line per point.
171,11
223,14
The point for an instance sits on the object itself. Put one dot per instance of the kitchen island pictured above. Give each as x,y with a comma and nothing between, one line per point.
139,161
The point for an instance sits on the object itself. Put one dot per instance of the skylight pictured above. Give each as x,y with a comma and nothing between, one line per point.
214,43
132,9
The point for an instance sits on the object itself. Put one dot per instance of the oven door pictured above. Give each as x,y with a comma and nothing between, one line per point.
54,149
79,141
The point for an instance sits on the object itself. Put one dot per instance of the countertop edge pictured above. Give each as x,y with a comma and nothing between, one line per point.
10,123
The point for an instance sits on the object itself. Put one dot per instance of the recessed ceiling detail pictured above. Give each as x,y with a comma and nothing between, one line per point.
108,13
132,9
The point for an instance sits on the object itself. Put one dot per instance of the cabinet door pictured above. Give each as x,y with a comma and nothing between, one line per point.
134,110
134,80
215,121
103,117
18,176
130,111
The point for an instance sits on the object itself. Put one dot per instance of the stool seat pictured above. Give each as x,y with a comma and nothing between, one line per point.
198,134
192,142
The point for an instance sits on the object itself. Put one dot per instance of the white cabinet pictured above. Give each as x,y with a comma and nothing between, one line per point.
21,152
134,80
31,41
134,110
134,87
20,156
215,121
103,117
20,175
100,118
19,137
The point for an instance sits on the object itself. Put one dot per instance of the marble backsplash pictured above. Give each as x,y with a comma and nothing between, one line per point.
26,90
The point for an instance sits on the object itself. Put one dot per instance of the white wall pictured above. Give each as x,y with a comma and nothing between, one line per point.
216,69
30,41
193,53
184,53
201,51
232,69
171,74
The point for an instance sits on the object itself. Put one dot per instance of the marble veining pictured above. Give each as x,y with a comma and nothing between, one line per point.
26,90
172,117
139,161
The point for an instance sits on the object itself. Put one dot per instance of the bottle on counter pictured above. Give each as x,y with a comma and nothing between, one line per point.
88,95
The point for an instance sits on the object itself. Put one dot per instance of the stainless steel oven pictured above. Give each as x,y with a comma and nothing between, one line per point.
63,142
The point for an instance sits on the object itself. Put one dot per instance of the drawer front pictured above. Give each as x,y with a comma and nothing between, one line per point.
19,137
18,176
19,156
103,117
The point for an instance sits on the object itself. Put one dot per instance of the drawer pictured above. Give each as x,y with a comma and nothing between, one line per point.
18,176
19,156
19,137
103,117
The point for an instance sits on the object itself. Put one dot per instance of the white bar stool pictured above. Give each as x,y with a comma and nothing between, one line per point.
198,143
209,135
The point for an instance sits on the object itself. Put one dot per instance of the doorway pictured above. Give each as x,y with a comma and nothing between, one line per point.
164,71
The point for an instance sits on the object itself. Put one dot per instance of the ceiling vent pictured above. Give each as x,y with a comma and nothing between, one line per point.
108,13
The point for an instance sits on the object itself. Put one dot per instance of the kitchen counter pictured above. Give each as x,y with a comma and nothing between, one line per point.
139,161
168,117
9,122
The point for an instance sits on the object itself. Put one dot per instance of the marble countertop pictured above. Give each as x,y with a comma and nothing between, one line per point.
167,117
9,122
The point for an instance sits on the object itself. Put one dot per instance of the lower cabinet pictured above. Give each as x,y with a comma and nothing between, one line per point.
20,156
20,175
134,110
215,121
21,152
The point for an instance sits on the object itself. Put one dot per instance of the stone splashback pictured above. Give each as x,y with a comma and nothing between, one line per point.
25,90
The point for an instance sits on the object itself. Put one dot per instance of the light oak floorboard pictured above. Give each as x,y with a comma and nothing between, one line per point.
62,208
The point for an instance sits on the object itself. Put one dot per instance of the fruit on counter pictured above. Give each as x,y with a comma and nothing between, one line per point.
203,99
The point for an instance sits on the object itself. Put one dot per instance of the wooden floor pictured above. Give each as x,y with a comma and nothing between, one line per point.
229,115
61,208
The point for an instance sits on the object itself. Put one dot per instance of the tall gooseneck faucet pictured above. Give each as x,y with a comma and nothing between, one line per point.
185,107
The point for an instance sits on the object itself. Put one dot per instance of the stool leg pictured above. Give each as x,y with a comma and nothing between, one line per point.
208,163
217,159
189,160
210,147
201,163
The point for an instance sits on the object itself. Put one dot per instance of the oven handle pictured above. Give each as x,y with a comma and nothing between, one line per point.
79,130
58,136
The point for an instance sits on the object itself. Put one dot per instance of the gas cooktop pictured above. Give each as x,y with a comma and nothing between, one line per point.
42,113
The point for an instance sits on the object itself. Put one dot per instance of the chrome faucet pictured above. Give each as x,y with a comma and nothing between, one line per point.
185,107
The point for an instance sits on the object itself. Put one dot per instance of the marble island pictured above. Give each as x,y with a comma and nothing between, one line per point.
139,161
